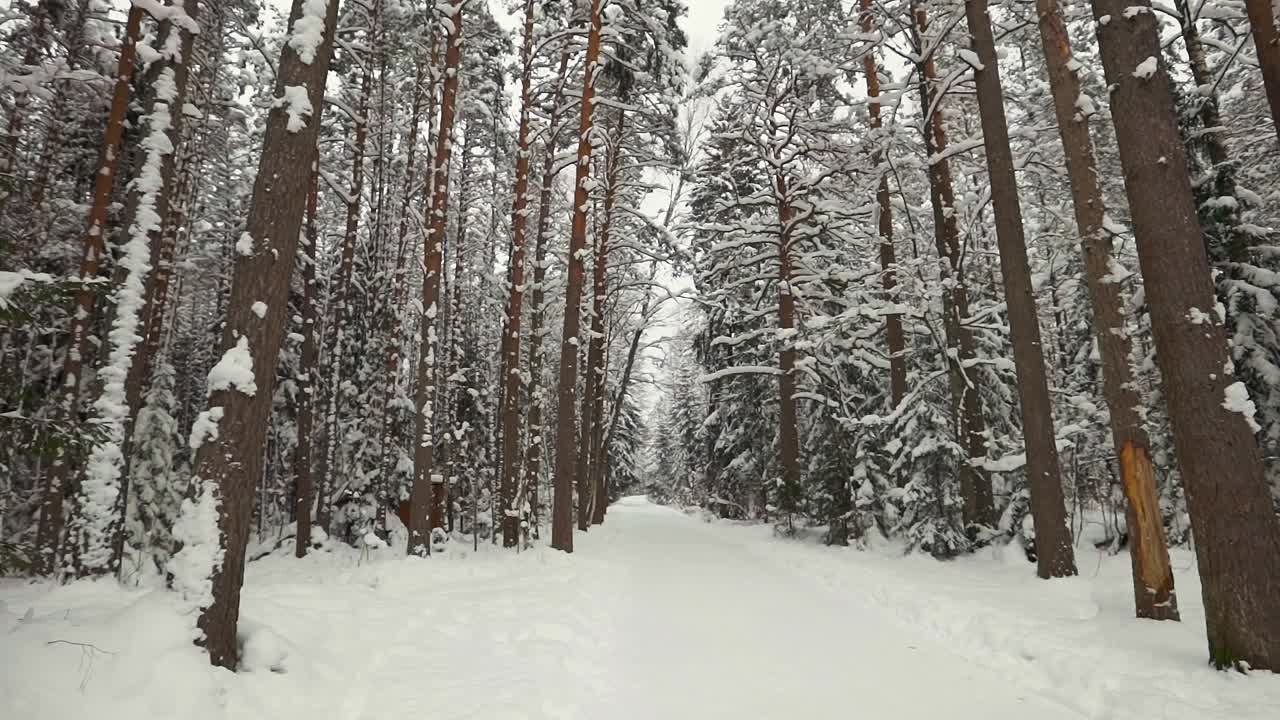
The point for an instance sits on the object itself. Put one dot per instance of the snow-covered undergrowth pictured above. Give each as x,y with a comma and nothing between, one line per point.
657,614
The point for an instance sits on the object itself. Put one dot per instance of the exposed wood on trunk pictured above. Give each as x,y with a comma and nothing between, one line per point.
567,396
424,476
1153,589
1055,556
1235,530
232,461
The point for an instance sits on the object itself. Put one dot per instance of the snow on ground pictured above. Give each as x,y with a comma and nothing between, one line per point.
658,615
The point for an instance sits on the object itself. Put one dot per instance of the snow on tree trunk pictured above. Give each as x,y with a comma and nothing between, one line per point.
1055,556
567,394
1153,590
49,531
425,477
228,439
1236,533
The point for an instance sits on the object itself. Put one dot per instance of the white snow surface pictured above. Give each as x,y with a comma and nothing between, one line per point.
658,614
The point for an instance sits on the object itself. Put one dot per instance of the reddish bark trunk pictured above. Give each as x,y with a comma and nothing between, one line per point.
1153,589
305,486
567,407
49,529
895,338
510,372
424,477
1266,39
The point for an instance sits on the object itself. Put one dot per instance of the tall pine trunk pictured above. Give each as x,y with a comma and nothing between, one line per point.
567,396
895,338
1153,590
230,436
593,399
535,449
975,485
788,431
424,476
53,490
1235,530
1055,556
510,373
302,472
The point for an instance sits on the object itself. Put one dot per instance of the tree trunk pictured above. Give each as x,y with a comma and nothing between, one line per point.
1055,556
593,399
511,339
567,407
894,335
534,446
788,432
1266,39
305,491
424,477
975,485
229,461
1235,530
49,529
1153,590
336,327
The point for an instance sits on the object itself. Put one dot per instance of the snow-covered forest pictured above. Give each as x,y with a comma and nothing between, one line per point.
328,328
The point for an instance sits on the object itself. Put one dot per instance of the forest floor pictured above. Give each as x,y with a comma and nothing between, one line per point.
657,615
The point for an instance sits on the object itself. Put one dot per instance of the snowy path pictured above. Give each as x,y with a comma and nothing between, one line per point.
658,616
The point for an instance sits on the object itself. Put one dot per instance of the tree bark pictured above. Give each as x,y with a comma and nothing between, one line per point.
567,407
1055,556
511,339
340,289
975,485
424,477
49,529
534,446
593,399
1153,590
232,461
1235,530
1266,39
788,432
895,338
305,491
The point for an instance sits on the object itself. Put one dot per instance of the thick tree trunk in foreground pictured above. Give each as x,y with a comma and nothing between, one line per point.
975,485
424,476
511,339
1055,556
49,529
895,338
1266,39
567,407
1237,535
1153,590
228,465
